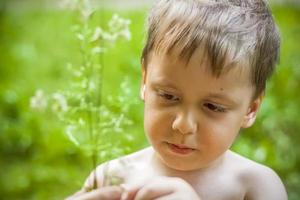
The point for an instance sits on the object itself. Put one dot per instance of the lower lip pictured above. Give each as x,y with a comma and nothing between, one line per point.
179,150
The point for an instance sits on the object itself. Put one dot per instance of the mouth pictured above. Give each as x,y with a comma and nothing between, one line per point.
180,149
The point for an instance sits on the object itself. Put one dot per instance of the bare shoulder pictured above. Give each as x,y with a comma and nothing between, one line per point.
260,182
117,171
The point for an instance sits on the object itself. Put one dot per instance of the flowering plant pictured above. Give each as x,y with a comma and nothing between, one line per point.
87,118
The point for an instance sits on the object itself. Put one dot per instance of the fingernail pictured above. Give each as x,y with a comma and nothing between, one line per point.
124,195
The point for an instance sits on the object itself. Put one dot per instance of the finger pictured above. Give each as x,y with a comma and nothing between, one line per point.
170,197
129,191
142,189
105,193
80,192
151,192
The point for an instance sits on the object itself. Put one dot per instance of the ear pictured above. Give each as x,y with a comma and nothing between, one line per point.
143,81
251,114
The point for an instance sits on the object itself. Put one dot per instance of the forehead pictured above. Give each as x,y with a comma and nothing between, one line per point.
196,73
199,63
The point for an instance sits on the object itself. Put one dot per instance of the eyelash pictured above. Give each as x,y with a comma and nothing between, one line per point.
167,96
215,108
212,107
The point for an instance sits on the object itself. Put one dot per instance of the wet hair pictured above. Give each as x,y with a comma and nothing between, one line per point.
233,33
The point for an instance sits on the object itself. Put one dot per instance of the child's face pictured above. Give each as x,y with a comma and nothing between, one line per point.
192,117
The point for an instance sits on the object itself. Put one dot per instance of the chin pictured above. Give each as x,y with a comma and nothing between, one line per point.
177,163
180,165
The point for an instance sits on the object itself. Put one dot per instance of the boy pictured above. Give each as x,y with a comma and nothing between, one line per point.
204,71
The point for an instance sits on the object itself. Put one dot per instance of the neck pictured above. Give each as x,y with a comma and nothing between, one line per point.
164,170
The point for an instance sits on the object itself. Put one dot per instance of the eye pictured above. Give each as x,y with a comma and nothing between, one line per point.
167,96
214,107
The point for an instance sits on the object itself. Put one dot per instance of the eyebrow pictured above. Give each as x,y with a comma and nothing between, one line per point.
163,82
223,97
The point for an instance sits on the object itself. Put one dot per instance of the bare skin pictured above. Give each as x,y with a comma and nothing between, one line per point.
232,178
191,120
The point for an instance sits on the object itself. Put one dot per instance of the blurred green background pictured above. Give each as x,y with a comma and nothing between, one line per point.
36,42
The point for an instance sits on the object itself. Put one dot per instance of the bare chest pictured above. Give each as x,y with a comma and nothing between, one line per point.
220,188
208,186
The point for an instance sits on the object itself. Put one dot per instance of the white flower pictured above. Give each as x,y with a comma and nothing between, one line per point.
60,103
69,132
80,36
97,34
109,37
120,27
118,23
81,122
39,100
86,14
97,50
125,34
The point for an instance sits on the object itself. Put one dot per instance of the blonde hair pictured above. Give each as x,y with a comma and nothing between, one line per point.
231,32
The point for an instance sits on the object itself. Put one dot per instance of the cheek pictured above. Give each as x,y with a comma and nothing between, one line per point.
219,134
156,122
229,125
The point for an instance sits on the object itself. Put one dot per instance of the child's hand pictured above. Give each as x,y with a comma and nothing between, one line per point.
162,188
104,193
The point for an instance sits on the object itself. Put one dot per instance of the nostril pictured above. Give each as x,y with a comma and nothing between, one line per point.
184,125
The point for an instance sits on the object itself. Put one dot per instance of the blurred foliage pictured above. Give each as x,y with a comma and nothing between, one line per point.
274,138
37,159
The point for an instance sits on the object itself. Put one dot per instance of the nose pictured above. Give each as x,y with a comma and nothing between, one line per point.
185,123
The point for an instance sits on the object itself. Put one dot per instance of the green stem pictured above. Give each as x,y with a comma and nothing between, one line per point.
89,71
98,104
